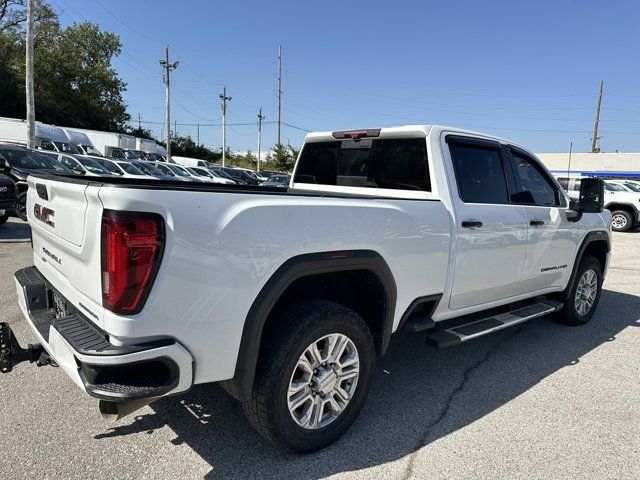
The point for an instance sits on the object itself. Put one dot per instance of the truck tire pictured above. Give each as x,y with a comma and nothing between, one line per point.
3,219
313,376
582,297
21,206
621,221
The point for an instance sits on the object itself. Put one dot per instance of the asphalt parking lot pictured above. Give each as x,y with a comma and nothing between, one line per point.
538,401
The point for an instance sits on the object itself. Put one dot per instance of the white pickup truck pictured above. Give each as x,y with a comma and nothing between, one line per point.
143,289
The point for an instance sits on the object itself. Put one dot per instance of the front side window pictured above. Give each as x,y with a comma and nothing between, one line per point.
532,180
399,164
117,154
47,145
112,167
479,173
72,164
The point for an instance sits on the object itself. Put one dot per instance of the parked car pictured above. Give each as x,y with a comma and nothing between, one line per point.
623,204
286,298
627,185
183,172
218,174
208,176
165,168
124,169
19,162
278,180
239,176
148,168
7,197
220,171
80,165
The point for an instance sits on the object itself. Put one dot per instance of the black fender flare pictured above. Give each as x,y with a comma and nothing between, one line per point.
624,204
594,236
293,269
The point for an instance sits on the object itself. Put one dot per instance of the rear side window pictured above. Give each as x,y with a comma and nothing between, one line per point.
479,173
399,164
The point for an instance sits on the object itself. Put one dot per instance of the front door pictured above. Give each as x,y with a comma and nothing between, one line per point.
491,232
550,248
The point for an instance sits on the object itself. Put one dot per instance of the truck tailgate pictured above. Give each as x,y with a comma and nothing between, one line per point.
65,217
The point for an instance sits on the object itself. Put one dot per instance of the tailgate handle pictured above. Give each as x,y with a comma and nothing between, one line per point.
42,191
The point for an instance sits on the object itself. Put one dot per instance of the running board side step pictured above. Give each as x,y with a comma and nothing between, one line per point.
447,337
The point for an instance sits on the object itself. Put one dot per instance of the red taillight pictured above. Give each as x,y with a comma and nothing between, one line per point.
132,246
357,134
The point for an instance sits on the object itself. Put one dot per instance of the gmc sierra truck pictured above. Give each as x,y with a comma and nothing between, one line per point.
143,289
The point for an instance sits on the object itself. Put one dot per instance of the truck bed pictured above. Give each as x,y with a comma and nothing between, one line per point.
220,250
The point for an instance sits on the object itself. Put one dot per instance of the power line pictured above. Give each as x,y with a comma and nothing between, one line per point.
128,26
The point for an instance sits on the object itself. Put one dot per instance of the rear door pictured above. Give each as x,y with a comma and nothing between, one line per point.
550,248
491,232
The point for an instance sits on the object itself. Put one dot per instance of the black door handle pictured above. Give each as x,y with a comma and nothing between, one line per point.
536,223
471,224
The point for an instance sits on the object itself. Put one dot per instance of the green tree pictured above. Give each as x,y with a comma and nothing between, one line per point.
282,158
75,83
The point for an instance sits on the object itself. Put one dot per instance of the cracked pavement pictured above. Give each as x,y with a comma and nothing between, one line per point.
537,401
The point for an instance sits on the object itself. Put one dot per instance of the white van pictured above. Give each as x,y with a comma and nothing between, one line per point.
81,141
47,137
190,162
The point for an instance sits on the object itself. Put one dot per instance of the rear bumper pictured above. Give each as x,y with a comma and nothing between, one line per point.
103,370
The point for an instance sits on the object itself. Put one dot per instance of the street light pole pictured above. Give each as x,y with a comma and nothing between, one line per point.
225,99
168,68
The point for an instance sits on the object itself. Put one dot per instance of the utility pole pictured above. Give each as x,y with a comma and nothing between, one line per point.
198,134
225,99
175,128
594,149
168,68
260,118
139,123
279,91
31,112
569,164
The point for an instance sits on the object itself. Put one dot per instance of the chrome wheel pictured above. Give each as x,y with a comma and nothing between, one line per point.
586,292
619,221
323,381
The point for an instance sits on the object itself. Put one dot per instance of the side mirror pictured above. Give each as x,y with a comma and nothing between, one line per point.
591,199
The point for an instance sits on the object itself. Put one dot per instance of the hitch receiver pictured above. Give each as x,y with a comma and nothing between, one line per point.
11,353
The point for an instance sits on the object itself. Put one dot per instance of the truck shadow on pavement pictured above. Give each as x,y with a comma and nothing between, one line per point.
419,395
15,230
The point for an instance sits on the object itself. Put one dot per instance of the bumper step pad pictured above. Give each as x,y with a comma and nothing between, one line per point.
455,335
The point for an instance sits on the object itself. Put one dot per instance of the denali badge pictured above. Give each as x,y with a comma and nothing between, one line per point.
44,214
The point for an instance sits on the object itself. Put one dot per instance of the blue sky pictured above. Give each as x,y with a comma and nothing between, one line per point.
527,71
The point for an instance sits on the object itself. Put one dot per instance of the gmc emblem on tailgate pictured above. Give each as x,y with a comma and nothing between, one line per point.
44,214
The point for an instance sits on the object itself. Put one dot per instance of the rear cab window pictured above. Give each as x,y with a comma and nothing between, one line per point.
383,166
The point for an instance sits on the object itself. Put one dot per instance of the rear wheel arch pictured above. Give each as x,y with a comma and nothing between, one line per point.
364,268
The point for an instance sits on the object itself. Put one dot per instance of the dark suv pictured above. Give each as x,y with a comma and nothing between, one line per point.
7,197
18,162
